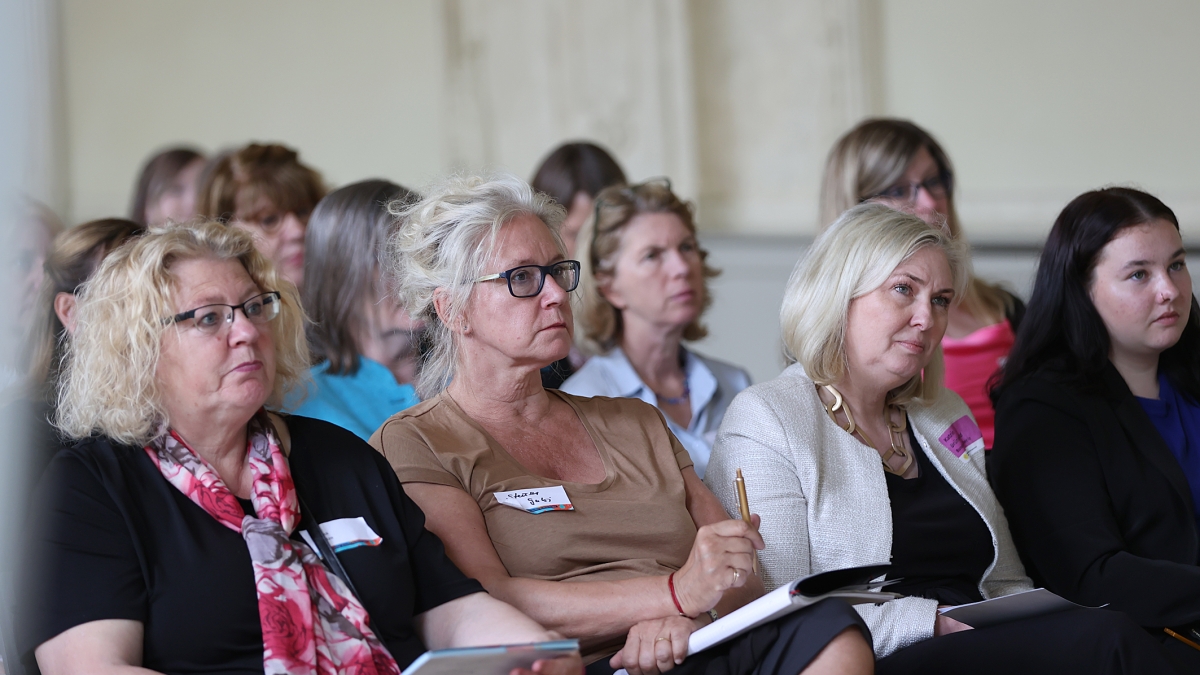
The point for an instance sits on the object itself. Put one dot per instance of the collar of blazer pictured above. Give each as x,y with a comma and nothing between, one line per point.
1142,433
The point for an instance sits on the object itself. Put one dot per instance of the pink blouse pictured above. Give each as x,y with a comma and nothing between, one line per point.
970,362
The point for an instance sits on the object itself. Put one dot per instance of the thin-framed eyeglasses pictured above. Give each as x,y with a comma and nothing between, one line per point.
935,186
629,191
212,319
527,281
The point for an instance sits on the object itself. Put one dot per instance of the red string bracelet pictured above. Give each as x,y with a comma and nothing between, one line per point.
675,598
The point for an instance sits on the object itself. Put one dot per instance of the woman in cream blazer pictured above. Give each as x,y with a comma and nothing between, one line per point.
863,319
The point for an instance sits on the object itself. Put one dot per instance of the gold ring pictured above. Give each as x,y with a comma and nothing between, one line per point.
661,639
737,575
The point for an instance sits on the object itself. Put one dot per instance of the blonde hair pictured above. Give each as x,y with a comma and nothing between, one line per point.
72,258
442,243
871,158
851,258
600,242
108,383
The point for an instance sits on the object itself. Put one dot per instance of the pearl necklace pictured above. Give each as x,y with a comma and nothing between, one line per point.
895,431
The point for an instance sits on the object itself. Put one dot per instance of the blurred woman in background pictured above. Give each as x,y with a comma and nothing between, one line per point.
897,163
573,174
267,191
364,345
644,291
72,259
166,188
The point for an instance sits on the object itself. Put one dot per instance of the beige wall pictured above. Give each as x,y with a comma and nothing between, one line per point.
1038,101
737,101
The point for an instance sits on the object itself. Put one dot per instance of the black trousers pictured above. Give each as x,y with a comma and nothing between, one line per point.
783,647
1092,641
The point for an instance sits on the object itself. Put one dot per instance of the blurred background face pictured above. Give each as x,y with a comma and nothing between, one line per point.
390,337
1142,289
178,201
920,191
891,332
658,275
278,235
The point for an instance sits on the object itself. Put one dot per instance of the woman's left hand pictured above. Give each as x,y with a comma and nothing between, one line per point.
655,646
563,665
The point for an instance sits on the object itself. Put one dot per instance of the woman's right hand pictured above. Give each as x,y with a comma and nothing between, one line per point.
722,557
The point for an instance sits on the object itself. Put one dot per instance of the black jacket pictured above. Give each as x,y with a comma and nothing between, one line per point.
1099,508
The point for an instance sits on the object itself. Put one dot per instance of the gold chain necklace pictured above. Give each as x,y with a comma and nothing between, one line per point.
895,431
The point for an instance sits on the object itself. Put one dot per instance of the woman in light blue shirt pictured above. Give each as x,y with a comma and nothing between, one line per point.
643,293
364,345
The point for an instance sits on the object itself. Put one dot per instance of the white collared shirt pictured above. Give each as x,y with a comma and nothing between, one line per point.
712,384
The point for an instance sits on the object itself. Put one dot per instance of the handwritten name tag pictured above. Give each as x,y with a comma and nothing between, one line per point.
536,500
344,534
963,438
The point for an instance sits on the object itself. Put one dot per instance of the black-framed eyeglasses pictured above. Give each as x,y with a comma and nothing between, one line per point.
211,319
937,187
629,191
527,281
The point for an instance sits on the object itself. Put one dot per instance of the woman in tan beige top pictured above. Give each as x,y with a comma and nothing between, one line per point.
584,513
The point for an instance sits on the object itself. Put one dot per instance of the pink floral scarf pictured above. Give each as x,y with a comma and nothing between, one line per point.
311,622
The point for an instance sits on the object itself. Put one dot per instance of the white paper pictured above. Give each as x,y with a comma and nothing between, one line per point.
1023,605
536,500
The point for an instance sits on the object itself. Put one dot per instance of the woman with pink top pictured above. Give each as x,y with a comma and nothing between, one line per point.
897,163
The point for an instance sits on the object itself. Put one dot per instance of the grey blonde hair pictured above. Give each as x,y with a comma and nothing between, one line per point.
600,244
871,158
443,242
109,384
853,257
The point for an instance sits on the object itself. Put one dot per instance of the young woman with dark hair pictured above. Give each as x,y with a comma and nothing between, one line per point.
1097,454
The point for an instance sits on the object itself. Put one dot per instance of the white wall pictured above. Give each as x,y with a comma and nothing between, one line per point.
1038,101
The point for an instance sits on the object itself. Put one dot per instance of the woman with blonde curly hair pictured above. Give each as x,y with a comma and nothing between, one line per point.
644,291
180,531
897,163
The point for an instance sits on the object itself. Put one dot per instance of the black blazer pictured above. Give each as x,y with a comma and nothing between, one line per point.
1099,508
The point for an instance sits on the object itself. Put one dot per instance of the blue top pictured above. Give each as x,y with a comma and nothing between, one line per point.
361,402
712,383
1178,422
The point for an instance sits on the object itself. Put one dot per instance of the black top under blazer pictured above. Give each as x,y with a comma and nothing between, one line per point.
1099,508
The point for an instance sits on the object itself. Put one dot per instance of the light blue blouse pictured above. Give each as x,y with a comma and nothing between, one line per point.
361,402
712,383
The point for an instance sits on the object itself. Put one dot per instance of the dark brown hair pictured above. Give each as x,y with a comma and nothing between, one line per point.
72,259
233,185
577,167
344,240
157,175
1062,329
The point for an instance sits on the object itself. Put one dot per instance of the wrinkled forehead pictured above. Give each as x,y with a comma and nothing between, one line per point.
524,240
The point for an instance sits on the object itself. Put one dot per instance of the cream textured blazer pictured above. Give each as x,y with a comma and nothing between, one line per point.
824,500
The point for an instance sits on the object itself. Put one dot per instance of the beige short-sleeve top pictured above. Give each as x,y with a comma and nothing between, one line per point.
633,523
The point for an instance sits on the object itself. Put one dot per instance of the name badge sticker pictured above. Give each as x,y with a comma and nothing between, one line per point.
963,438
536,500
344,534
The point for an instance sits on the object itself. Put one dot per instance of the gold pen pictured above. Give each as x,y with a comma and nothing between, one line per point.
744,508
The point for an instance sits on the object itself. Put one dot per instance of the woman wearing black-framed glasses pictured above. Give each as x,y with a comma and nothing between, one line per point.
585,513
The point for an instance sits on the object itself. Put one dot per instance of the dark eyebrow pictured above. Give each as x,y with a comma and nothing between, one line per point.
1142,263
